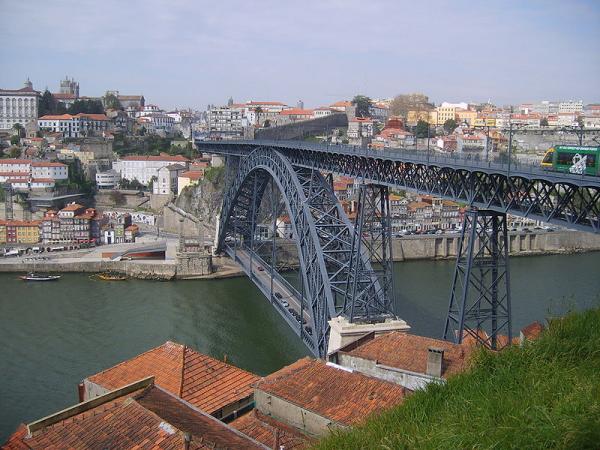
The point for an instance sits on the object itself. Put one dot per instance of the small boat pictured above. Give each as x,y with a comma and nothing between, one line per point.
37,277
111,277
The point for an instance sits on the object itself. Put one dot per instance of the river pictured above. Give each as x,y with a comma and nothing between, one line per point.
53,335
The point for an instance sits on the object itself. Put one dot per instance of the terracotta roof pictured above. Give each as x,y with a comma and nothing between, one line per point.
47,164
21,223
14,161
342,103
532,331
409,352
265,103
92,116
72,207
147,419
64,96
14,174
56,117
201,380
155,158
42,180
339,394
192,174
263,429
296,112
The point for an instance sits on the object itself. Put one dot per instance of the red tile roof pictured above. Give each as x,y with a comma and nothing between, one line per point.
339,394
14,161
147,419
296,112
14,174
72,207
192,174
532,331
271,432
155,158
56,117
47,164
409,352
201,380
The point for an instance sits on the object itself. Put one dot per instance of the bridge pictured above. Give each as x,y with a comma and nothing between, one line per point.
345,268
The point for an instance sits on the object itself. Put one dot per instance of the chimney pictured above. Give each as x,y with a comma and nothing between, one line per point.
435,357
187,438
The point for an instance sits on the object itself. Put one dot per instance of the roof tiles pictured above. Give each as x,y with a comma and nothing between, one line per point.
201,380
339,394
271,432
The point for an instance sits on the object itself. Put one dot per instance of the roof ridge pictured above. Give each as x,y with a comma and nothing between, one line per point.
182,370
132,359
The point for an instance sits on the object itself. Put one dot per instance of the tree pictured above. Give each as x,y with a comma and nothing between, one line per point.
15,140
118,198
151,182
544,122
267,123
20,129
86,107
422,129
14,152
47,104
112,102
450,125
403,103
362,104
136,185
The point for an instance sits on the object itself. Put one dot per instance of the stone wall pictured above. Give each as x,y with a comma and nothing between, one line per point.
302,129
132,199
192,265
171,216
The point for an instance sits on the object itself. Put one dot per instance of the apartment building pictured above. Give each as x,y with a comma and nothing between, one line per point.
226,122
19,232
73,224
144,168
74,126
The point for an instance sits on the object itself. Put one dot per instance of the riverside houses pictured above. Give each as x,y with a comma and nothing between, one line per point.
72,224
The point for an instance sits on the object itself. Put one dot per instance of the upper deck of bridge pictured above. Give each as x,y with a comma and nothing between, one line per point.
430,158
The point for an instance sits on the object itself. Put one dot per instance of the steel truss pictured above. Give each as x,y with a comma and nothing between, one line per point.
372,240
562,199
480,298
321,230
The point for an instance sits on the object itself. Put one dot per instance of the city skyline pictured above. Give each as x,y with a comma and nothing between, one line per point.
183,54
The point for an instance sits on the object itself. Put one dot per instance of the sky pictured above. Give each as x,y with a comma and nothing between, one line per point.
191,53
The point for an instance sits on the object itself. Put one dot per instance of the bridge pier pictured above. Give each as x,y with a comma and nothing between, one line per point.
480,297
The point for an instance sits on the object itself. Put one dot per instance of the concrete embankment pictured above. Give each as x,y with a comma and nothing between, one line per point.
520,244
136,269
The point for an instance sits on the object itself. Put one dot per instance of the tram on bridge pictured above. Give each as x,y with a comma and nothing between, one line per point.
573,159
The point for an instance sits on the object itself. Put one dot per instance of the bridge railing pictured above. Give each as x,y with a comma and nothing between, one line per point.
431,157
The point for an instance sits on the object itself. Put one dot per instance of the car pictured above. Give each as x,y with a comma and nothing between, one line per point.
278,295
260,268
526,230
308,330
549,230
284,303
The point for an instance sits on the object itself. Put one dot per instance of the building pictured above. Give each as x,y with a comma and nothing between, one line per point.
379,111
316,397
157,123
145,168
72,224
107,180
294,115
26,174
467,116
19,231
142,414
341,106
406,359
322,112
211,385
74,126
18,106
226,122
445,112
189,178
570,106
360,128
167,180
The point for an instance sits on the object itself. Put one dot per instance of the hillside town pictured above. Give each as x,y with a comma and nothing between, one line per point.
65,148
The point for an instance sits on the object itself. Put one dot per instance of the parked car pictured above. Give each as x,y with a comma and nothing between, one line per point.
284,303
260,268
278,295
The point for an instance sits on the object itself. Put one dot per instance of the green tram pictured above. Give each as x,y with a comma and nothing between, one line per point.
561,158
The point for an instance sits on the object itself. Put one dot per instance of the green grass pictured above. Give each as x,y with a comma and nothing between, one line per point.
543,395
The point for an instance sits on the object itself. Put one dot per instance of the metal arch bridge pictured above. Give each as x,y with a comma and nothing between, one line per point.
335,260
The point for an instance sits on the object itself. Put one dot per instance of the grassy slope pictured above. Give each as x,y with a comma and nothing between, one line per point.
544,395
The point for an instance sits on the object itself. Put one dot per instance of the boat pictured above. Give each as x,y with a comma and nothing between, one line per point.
111,277
37,277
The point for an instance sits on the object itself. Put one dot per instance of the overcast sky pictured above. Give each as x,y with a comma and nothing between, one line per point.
191,53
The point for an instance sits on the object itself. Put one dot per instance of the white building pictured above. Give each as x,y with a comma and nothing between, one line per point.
75,126
107,180
167,179
157,122
49,170
322,112
143,168
360,127
18,106
27,174
570,106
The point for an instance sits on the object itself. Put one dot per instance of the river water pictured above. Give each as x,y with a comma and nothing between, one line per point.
53,335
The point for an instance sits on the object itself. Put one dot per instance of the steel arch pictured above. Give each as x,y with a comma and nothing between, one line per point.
322,231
